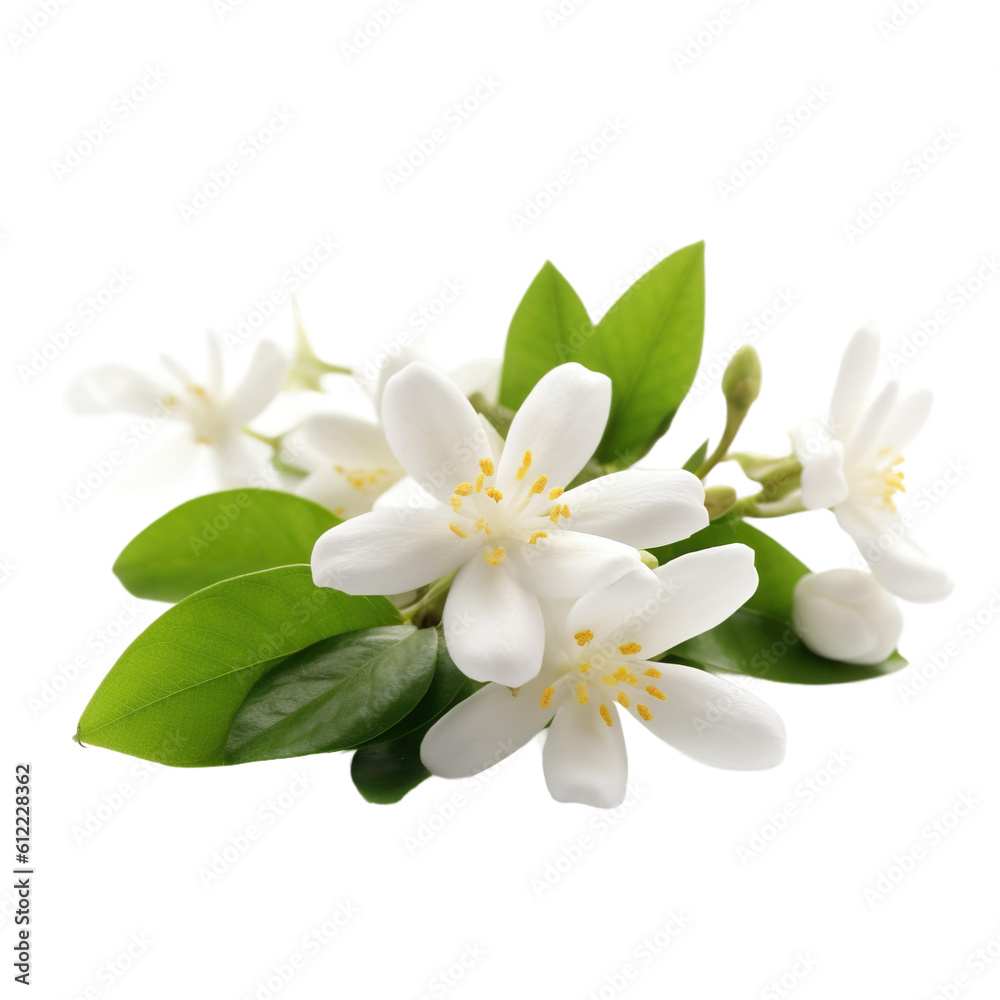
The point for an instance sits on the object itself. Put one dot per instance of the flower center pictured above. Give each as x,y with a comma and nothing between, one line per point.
483,507
883,478
361,478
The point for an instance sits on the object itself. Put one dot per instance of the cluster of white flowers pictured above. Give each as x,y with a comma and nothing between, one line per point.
547,594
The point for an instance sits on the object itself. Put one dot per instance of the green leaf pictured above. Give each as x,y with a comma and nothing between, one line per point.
759,639
173,694
334,695
649,345
219,536
695,462
547,329
386,771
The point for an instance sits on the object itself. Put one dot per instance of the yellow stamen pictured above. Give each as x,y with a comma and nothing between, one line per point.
584,667
656,693
538,485
626,676
565,510
458,531
623,699
201,439
481,525
557,492
644,712
629,648
525,465
515,692
535,535
486,464
547,697
652,672
463,489
495,557
455,503
582,638
610,679
494,494
581,694
479,482
554,513
198,391
606,715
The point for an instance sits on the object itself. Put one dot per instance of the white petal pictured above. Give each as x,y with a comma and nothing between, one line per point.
584,758
822,458
241,461
348,440
261,383
115,389
614,613
699,590
213,382
569,563
897,562
479,375
560,423
405,492
855,379
388,551
907,419
334,491
433,430
712,720
482,730
493,625
867,434
640,508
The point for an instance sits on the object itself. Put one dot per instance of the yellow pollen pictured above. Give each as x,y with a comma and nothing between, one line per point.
582,638
629,648
557,492
458,531
525,465
455,503
495,557
606,715
584,667
486,464
201,439
547,697
623,699
463,489
625,675
198,391
644,712
565,510
610,679
479,482
535,535
581,694
481,525
538,485
652,672
515,691
494,494
656,693
171,402
554,513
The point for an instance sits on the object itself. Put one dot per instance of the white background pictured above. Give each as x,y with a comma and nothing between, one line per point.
436,877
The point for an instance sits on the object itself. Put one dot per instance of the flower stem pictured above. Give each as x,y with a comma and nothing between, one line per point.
429,608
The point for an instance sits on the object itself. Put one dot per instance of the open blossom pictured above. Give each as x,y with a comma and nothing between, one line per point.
852,463
349,461
500,515
597,664
846,615
212,417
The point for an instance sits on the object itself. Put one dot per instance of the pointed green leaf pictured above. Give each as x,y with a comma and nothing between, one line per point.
218,536
173,694
695,462
334,695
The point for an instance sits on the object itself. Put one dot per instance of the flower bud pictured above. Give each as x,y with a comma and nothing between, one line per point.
741,380
845,614
718,499
648,559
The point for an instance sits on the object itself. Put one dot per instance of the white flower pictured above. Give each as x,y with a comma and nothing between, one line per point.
846,615
498,514
851,462
213,418
349,460
597,661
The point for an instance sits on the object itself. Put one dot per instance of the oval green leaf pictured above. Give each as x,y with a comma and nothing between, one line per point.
334,695
173,694
219,536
